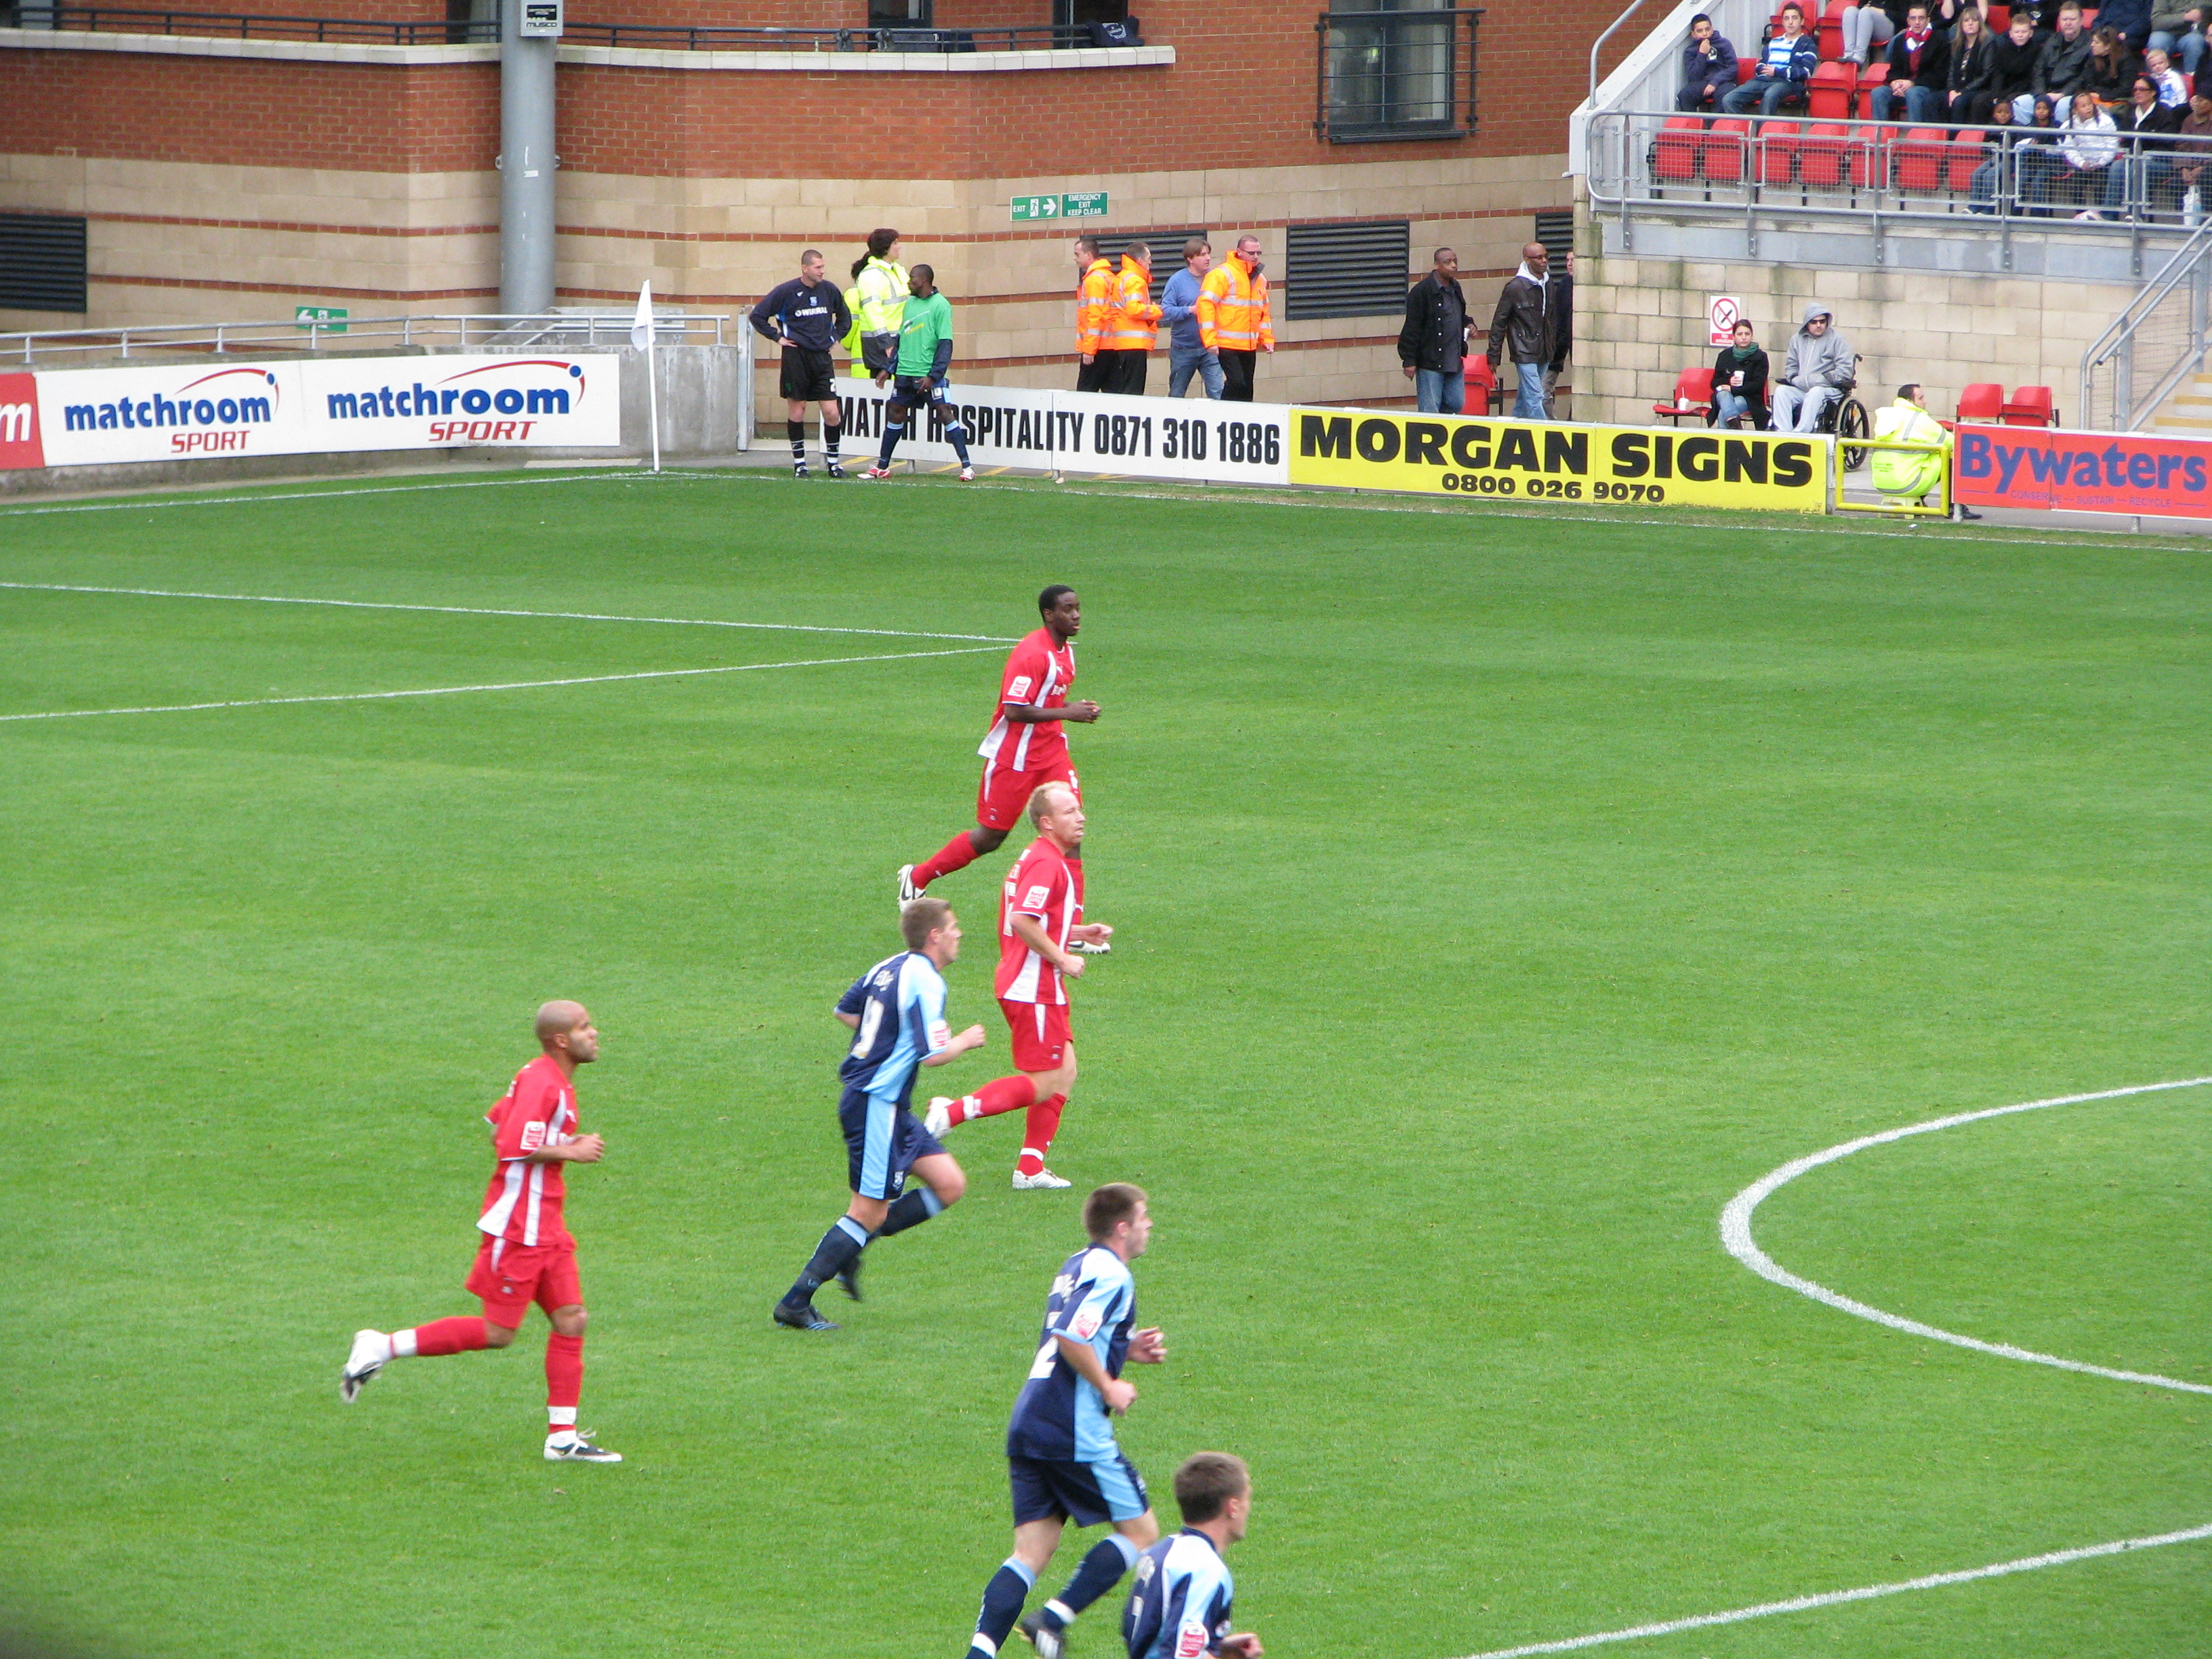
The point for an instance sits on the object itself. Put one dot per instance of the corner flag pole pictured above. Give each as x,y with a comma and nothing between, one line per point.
641,335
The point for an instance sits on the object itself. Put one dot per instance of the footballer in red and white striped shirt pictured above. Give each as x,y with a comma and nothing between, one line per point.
525,1254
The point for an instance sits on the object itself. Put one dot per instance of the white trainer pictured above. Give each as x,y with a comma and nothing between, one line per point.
967,475
372,1351
1043,1180
908,891
577,1448
1077,947
938,1119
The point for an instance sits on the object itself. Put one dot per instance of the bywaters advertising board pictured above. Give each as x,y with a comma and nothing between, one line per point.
177,411
2083,472
1555,461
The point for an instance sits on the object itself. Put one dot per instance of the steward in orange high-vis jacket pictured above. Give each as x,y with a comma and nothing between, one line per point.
1095,299
1134,324
1232,317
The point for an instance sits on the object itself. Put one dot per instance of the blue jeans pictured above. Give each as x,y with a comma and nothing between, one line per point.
2188,49
1728,404
1923,105
1767,91
1439,391
1182,364
1528,401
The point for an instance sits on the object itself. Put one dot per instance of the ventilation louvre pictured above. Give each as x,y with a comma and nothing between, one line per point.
1167,252
42,262
1346,270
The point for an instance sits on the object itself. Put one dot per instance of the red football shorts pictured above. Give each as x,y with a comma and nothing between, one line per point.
1003,796
509,1276
1041,1034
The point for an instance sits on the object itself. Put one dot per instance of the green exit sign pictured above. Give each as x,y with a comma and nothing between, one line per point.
331,319
1077,205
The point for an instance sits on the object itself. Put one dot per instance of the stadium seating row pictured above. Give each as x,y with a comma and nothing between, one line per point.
1827,154
2029,405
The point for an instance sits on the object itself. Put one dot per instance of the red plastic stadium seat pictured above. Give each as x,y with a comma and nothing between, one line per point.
1868,159
1481,382
1829,94
1745,67
1919,157
1693,392
1777,151
1998,19
1722,153
1821,153
2031,405
1675,152
1982,401
1830,29
1966,155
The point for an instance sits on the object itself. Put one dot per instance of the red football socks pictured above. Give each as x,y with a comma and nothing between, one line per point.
463,1333
1006,1094
564,1369
955,855
1036,1137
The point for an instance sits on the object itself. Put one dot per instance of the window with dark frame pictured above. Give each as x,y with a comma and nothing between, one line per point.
1395,70
1345,270
42,262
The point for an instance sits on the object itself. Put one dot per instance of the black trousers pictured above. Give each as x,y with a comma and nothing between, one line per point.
1127,376
1237,376
1097,374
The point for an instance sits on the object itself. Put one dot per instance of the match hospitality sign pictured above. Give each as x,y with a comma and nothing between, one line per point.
2083,472
1559,461
172,412
1195,440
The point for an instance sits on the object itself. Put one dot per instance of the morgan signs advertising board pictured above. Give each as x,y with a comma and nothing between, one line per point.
181,411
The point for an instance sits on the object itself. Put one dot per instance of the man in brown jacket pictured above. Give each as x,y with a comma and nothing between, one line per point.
1522,322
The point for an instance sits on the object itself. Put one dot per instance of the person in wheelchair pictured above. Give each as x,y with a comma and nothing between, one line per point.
1819,369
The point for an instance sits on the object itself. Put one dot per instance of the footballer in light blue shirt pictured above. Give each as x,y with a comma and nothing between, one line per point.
897,1013
1181,1604
1061,1459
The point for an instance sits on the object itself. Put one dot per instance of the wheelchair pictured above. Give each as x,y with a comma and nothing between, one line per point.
1846,418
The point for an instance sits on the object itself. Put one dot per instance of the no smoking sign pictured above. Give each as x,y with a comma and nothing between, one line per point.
1721,310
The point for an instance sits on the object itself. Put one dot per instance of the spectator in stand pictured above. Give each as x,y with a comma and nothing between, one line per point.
1561,303
1967,98
1815,371
1982,188
2036,156
2012,57
1784,67
2088,148
2172,85
1708,66
1432,345
2182,32
1739,381
1522,323
2061,67
2112,68
2181,169
1870,24
2147,128
2129,18
1919,64
1186,353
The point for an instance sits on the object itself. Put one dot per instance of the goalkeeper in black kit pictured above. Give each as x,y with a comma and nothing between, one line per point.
806,316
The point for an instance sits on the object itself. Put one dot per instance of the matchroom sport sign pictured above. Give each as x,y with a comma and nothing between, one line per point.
1556,461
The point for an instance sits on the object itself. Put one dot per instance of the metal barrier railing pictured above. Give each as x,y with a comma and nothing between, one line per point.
1662,163
678,38
546,331
247,25
2161,338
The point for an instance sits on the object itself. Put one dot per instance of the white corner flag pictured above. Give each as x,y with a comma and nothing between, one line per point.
641,337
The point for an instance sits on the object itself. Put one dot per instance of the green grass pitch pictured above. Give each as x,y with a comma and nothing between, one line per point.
1497,897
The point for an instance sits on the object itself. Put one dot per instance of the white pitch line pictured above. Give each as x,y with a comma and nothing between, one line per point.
292,496
488,611
1867,1593
505,685
1735,1234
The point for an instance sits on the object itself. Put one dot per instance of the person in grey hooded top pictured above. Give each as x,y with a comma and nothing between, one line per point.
1814,373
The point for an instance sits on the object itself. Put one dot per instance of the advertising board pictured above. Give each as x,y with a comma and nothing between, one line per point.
1559,461
2083,472
171,411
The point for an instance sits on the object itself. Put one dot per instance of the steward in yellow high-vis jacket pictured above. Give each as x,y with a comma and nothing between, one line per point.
1095,299
1132,326
1232,317
877,302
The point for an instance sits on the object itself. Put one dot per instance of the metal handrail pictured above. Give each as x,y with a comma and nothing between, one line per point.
490,330
247,25
2189,263
891,37
1598,46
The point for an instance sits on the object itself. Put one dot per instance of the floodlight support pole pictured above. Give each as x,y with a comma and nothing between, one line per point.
527,164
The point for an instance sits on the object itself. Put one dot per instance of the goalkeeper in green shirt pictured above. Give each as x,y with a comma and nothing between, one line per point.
925,355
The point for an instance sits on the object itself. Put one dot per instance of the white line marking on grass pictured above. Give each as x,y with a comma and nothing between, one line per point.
507,685
1867,1593
488,611
127,505
1735,1234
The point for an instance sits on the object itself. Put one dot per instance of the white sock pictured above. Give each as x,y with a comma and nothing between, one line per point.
400,1345
560,1422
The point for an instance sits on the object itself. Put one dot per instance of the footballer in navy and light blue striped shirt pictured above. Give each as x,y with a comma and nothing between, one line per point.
1181,1605
897,1011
